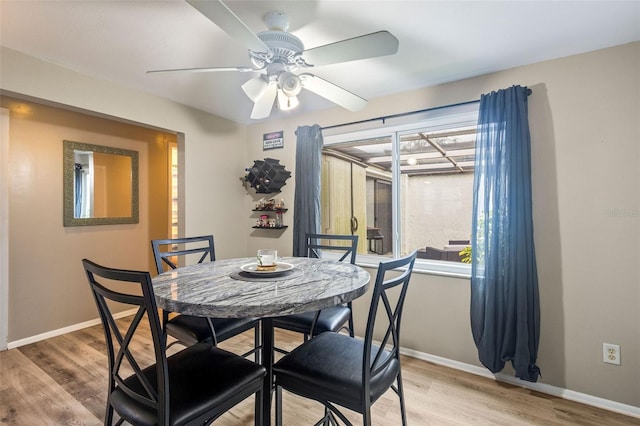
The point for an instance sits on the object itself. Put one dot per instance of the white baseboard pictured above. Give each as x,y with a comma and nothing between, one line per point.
583,398
64,330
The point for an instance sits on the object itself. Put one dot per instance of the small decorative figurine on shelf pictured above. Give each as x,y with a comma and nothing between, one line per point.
268,205
273,213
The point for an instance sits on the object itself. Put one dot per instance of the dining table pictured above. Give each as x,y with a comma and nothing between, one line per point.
235,288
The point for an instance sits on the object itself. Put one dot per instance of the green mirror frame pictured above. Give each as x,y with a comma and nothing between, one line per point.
69,147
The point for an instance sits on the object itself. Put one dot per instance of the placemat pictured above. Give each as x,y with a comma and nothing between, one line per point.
286,275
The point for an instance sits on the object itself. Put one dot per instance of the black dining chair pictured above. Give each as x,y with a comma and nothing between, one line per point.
187,329
192,387
335,318
338,370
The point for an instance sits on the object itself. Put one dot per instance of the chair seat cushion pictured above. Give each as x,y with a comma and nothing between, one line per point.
202,379
330,319
329,368
190,330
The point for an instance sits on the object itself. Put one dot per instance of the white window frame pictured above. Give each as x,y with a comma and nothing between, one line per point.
441,118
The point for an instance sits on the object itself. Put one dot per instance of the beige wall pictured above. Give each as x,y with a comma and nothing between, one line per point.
48,289
584,117
214,153
159,178
585,127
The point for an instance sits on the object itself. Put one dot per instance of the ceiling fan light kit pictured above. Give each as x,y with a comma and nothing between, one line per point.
263,105
275,54
255,88
289,83
285,102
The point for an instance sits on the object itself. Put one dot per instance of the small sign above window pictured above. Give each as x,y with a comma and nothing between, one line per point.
273,140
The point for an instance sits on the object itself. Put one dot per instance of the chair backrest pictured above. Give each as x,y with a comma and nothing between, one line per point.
387,282
345,245
166,251
109,285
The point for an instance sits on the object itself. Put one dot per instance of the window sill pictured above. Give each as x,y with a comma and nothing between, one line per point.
422,266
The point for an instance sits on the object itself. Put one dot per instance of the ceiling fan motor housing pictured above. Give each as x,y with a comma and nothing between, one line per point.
285,46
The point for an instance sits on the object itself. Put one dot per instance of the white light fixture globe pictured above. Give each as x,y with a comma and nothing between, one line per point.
289,83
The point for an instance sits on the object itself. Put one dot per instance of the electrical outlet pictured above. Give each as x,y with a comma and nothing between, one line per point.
611,353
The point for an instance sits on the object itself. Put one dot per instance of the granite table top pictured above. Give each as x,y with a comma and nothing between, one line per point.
208,289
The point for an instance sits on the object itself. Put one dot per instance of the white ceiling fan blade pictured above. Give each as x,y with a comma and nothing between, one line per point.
262,107
335,94
222,16
372,45
205,69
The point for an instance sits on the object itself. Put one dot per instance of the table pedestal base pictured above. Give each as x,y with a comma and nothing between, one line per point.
263,408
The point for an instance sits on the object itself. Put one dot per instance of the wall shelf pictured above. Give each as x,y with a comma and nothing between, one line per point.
270,227
270,218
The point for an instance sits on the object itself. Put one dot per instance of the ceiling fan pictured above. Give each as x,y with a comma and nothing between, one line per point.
275,54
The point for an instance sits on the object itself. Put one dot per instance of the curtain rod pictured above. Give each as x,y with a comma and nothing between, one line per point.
403,114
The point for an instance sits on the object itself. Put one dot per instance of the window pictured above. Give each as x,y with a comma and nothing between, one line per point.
403,186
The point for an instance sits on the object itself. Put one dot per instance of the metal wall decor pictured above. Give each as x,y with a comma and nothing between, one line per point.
267,176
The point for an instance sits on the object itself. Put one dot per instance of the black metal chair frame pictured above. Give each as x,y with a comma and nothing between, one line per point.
374,360
207,250
314,250
314,245
149,388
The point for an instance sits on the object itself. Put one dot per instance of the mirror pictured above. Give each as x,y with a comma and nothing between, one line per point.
100,185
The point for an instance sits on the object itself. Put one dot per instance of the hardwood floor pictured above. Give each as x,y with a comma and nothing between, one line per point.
62,381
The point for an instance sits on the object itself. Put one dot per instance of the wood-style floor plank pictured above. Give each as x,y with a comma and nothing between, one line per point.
75,367
63,381
30,396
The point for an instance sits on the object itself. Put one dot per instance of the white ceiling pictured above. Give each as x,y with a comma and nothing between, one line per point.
440,41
